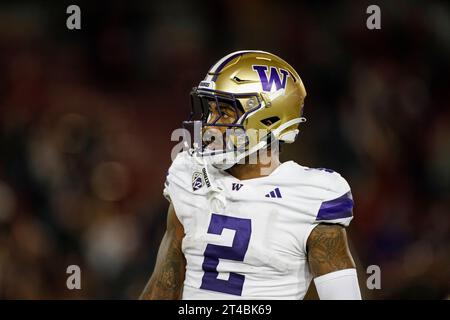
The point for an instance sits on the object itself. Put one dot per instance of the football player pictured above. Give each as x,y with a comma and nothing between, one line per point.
261,230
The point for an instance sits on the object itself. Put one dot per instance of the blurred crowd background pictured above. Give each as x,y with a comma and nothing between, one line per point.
86,117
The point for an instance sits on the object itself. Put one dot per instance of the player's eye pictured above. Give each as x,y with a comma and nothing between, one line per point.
227,111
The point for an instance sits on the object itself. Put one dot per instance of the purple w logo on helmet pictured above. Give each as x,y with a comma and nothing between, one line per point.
274,77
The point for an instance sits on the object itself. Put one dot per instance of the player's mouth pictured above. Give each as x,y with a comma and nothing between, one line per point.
213,139
221,139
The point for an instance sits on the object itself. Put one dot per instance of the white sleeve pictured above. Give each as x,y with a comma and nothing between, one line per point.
338,285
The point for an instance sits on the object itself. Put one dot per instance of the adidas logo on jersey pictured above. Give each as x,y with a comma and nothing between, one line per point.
274,194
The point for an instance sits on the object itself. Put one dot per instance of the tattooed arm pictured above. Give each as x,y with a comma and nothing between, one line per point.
167,279
331,263
328,249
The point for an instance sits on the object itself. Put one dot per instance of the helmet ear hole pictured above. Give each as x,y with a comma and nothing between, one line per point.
270,121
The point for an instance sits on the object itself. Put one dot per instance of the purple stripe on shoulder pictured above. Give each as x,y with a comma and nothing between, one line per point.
337,208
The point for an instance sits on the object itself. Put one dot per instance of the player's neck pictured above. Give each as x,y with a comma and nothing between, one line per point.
267,163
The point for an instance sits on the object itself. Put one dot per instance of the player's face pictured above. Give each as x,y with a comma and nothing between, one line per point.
219,114
224,113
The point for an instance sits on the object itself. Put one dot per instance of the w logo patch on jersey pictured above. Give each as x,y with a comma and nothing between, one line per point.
197,181
274,194
236,186
274,78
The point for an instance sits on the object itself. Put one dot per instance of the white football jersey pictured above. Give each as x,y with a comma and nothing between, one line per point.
253,245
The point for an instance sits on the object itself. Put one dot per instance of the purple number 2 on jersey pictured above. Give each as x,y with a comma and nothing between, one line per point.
236,252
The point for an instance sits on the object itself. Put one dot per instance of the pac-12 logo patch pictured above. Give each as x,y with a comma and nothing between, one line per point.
197,181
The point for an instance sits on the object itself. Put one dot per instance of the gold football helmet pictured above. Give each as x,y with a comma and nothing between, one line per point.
264,90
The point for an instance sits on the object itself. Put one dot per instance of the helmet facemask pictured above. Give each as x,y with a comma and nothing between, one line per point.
223,148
